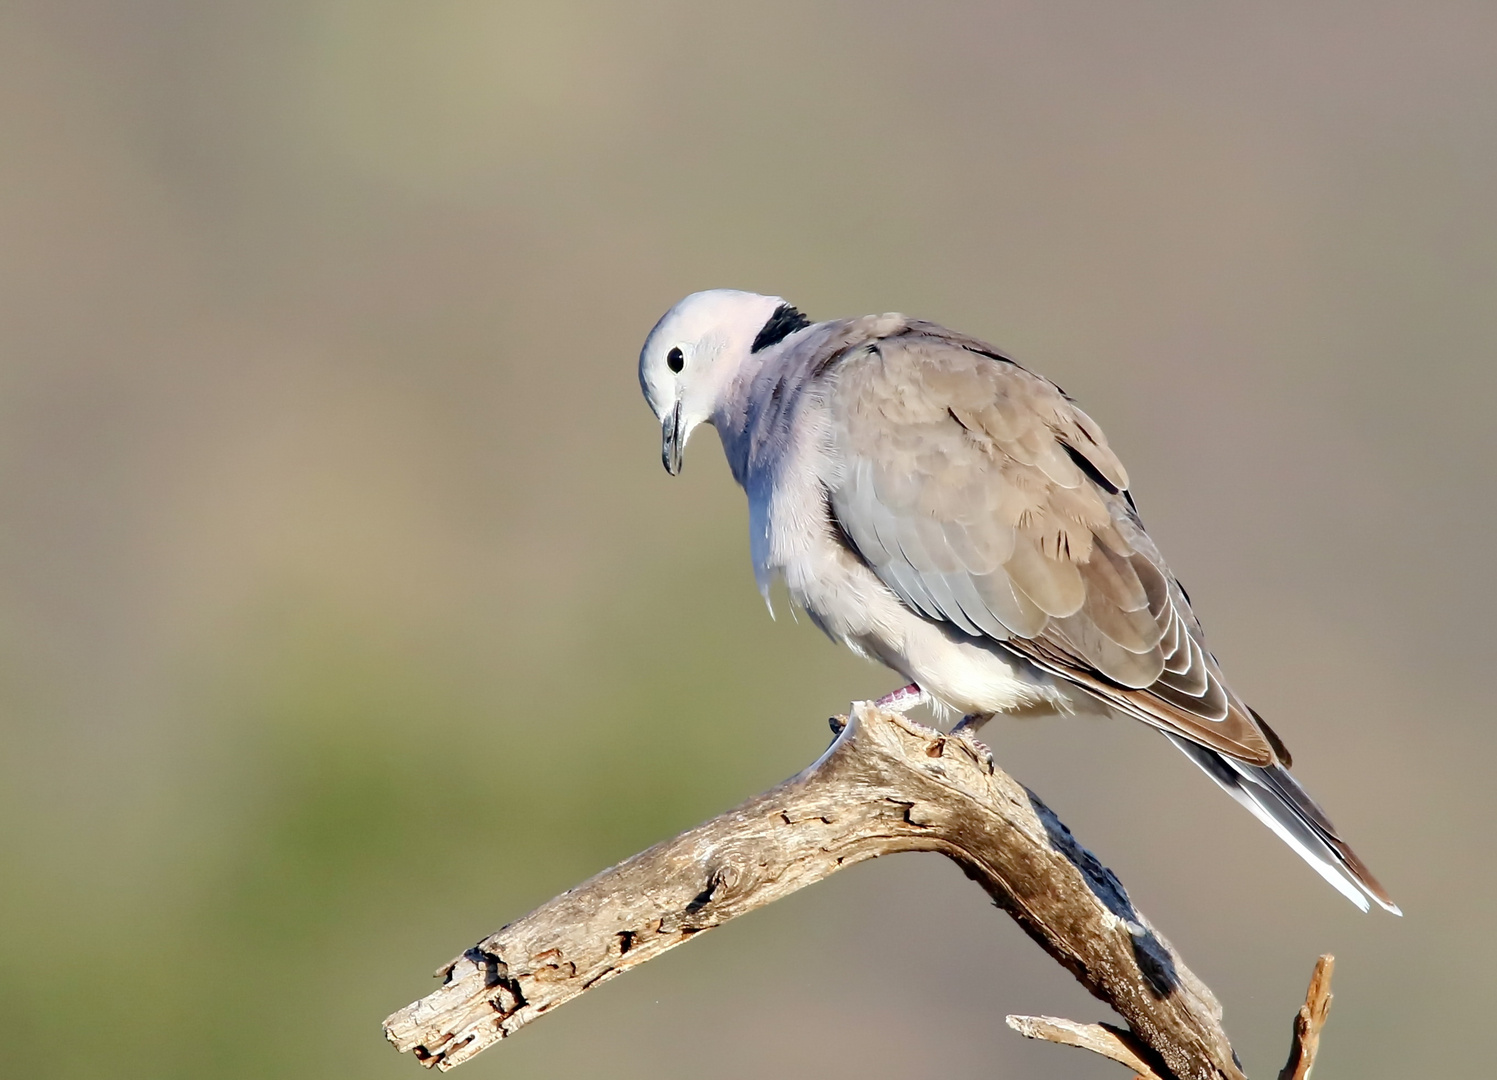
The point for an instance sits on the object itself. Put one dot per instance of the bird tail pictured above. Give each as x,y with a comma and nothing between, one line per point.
1275,798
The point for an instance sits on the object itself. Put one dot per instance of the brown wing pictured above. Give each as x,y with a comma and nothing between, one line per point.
984,497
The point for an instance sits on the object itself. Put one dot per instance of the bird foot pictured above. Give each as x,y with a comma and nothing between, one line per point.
967,728
903,699
971,723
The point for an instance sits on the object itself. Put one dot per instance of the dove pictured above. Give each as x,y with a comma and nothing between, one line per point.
936,507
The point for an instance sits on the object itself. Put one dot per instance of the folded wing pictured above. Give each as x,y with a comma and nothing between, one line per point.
983,497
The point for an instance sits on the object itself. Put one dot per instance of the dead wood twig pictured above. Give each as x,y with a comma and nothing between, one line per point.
1104,1039
1309,1021
886,784
1124,1047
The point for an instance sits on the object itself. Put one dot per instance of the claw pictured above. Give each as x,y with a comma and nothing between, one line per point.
966,728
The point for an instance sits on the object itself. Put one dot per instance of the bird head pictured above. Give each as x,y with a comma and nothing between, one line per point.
691,358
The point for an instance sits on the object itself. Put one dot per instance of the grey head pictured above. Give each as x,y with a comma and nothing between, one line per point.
692,358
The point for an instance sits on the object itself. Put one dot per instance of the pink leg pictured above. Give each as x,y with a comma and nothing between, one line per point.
906,697
971,723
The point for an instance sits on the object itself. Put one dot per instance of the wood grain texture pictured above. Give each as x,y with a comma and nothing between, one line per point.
886,784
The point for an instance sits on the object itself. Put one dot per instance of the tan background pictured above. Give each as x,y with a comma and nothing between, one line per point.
346,611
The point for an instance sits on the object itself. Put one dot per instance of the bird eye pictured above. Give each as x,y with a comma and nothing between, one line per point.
675,360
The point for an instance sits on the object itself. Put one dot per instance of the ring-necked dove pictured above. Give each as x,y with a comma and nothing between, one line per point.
935,506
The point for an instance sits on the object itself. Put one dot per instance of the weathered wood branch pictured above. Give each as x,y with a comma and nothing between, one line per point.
885,785
1124,1047
1104,1039
1310,1020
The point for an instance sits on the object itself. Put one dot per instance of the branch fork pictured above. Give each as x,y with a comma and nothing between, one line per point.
886,784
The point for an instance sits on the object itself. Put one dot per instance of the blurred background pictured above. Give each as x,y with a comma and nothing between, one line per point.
347,613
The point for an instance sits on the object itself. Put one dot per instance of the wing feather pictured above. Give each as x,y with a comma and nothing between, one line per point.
984,498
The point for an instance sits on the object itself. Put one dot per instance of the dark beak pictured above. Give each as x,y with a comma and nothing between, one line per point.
672,440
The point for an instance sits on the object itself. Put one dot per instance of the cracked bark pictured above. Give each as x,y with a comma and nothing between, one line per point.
885,785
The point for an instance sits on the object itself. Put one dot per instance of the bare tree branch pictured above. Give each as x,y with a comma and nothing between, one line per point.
1104,1039
1124,1048
886,784
1310,1020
